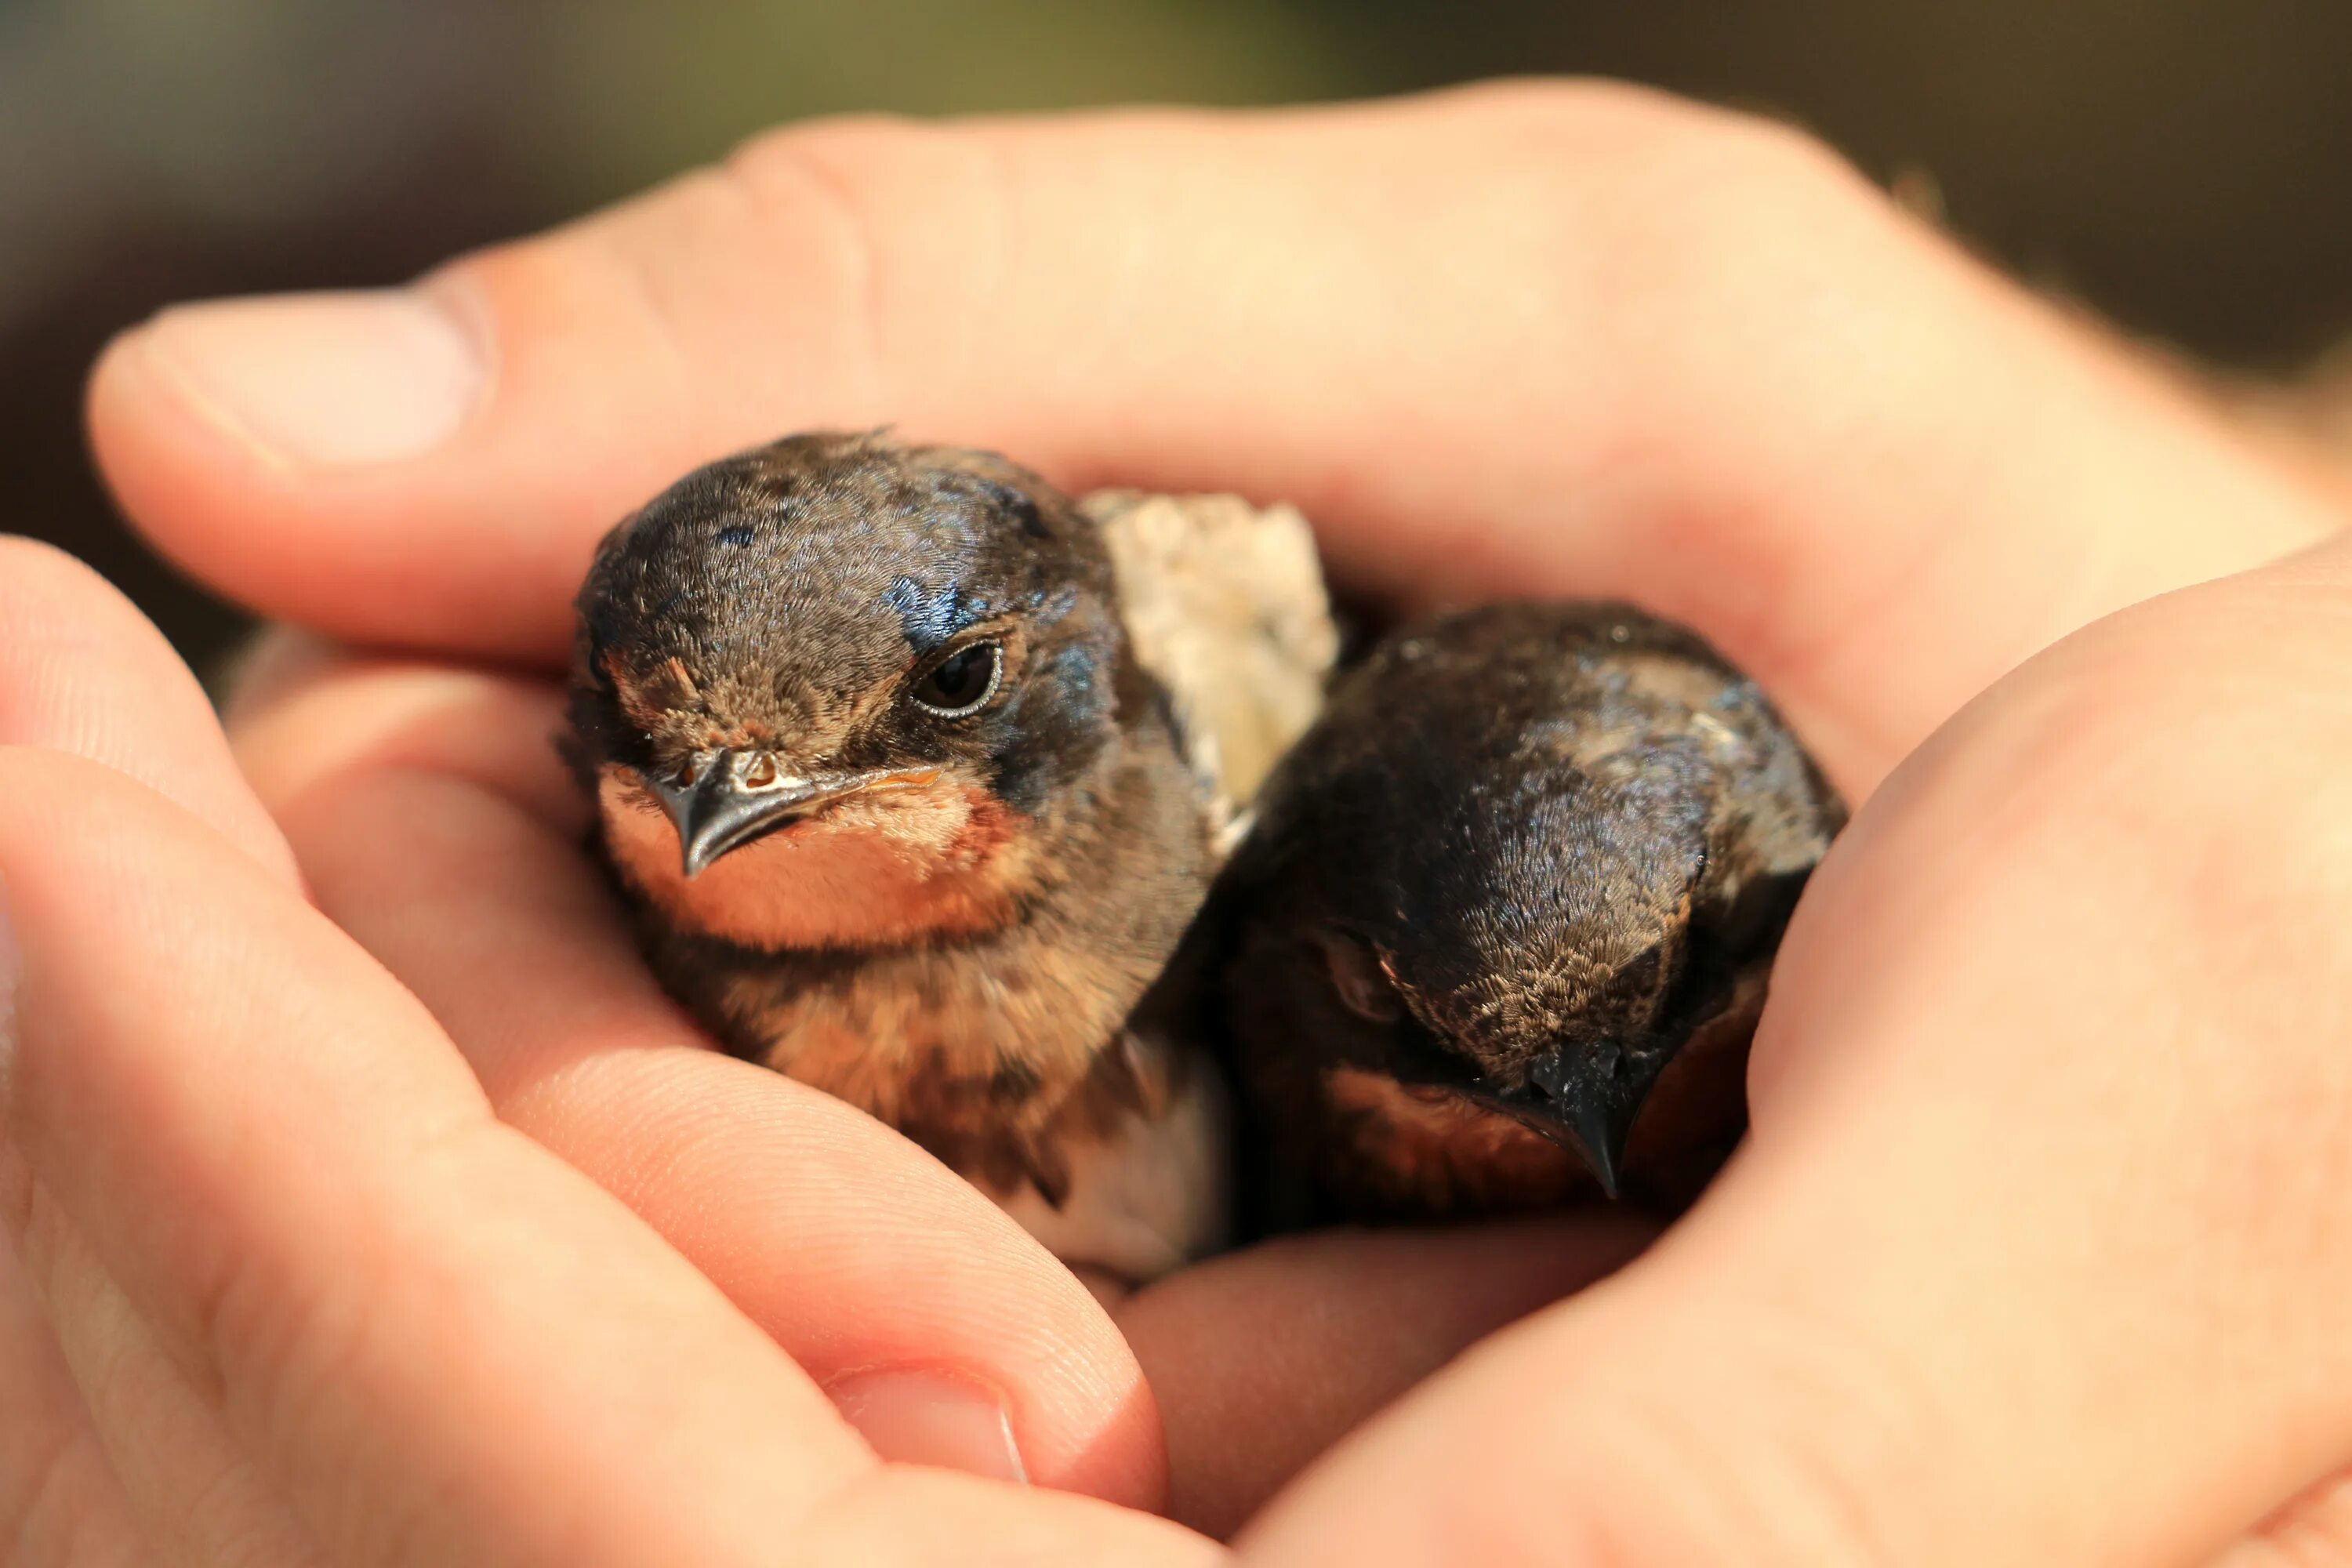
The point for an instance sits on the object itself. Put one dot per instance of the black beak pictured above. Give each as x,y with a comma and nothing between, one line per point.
1588,1097
718,812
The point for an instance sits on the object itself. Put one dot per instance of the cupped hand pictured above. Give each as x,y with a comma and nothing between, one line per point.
2015,1267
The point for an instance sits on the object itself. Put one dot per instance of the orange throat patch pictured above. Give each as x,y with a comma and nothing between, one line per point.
944,857
1446,1153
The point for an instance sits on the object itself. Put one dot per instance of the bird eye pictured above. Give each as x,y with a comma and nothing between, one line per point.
962,682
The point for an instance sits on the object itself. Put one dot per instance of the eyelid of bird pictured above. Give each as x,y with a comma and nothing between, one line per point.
914,770
965,678
1500,934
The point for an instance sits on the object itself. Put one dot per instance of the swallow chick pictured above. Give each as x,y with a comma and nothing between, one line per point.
1500,934
916,771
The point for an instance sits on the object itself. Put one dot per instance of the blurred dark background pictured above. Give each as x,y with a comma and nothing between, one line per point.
2180,164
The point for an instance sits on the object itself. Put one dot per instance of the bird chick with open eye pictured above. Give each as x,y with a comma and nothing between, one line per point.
916,772
1500,934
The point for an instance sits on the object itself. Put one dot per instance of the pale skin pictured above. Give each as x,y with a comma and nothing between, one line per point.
369,1205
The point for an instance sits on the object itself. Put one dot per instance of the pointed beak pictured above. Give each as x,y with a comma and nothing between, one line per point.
718,812
1588,1097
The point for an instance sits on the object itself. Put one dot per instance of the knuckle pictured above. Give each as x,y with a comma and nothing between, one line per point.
1686,169
905,225
847,150
1743,216
809,232
1734,253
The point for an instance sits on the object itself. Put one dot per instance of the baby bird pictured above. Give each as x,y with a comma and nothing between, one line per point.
1500,934
916,772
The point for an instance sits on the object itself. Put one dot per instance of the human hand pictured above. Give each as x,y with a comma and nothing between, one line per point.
1696,363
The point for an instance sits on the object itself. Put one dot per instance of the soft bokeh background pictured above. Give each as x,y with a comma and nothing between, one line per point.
2181,165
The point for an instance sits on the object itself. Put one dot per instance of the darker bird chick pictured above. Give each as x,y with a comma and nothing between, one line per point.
1501,931
904,816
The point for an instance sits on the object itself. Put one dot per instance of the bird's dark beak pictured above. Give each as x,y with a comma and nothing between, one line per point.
1588,1097
719,812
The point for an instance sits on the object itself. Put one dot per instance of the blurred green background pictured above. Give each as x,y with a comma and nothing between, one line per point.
2182,164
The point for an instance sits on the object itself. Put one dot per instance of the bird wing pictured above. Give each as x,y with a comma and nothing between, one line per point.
1786,811
1772,800
1224,605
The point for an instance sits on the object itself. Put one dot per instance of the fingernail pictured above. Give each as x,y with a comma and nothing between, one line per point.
325,380
923,1417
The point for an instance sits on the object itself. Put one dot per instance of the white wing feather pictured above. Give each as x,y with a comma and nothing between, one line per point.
1224,605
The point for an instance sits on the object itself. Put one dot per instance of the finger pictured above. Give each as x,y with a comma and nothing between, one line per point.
2035,1252
271,659
1531,339
910,1516
129,1452
82,671
430,817
190,1489
2313,1531
1263,1359
60,1505
333,716
441,1343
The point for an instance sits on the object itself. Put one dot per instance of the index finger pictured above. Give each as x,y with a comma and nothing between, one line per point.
1564,339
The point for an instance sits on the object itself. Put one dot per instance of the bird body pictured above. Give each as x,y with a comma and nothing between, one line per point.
1501,931
916,773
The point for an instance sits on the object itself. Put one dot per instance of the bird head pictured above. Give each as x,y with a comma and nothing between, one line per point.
824,690
1457,894
1526,963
